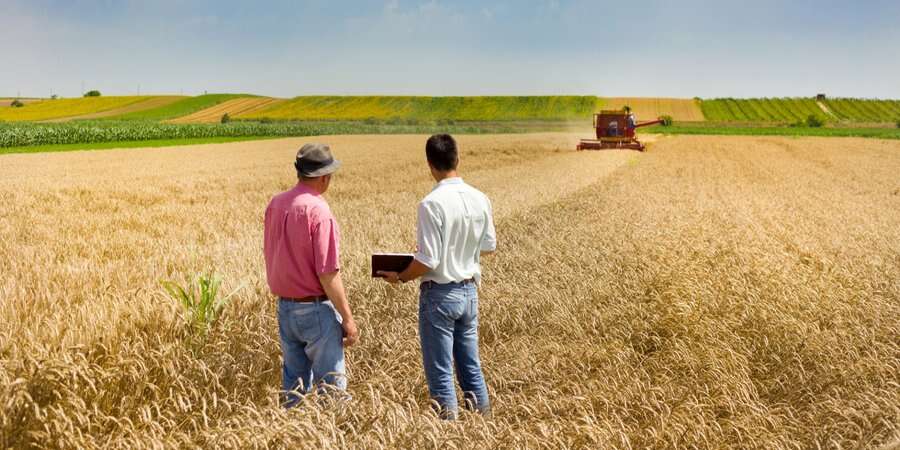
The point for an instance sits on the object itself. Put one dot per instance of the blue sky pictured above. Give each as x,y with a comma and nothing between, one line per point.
681,48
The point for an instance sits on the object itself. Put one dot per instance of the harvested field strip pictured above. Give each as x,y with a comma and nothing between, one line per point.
430,108
151,103
232,107
649,108
711,292
184,107
67,107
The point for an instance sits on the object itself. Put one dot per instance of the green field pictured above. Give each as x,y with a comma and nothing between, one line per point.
760,109
789,110
430,108
858,110
180,108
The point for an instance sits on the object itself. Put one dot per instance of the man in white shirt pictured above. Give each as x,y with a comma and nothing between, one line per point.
455,227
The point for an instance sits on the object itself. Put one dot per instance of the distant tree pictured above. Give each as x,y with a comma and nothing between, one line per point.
225,118
54,97
16,104
92,93
666,121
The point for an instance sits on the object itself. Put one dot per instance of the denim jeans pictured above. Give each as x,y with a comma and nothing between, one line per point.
311,342
448,330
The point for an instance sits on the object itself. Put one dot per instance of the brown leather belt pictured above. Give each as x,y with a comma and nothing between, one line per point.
315,298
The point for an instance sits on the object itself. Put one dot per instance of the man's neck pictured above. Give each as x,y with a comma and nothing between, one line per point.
441,176
311,185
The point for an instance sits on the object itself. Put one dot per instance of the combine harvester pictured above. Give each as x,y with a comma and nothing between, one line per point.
613,132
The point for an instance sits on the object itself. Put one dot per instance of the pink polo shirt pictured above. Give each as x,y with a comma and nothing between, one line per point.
301,242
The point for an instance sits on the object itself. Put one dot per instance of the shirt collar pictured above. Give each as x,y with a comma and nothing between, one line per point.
449,181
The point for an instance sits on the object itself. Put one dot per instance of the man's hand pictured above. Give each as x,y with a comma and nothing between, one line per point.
390,277
351,333
414,271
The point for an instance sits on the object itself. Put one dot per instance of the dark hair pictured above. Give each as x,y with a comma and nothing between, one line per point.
441,152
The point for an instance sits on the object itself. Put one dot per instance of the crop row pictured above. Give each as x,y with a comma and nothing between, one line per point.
21,134
760,109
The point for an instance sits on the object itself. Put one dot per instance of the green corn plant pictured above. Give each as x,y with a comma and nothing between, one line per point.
200,299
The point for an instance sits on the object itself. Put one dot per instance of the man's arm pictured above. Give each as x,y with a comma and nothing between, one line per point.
325,256
334,289
489,238
413,271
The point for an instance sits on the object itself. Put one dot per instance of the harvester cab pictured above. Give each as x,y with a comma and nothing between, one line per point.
614,132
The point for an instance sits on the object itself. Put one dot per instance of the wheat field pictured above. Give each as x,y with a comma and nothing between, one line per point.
712,292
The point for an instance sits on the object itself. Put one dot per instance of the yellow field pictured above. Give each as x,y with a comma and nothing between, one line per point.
66,107
150,103
233,108
712,292
649,108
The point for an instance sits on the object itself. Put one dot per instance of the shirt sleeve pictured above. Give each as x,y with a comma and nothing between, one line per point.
489,240
325,238
428,235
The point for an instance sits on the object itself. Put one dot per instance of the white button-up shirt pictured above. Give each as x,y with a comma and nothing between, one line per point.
455,225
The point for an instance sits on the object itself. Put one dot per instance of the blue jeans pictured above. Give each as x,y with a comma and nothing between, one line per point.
448,330
311,342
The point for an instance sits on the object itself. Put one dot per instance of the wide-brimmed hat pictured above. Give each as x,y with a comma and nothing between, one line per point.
315,160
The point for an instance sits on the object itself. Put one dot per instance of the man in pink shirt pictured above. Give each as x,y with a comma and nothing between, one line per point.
303,269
